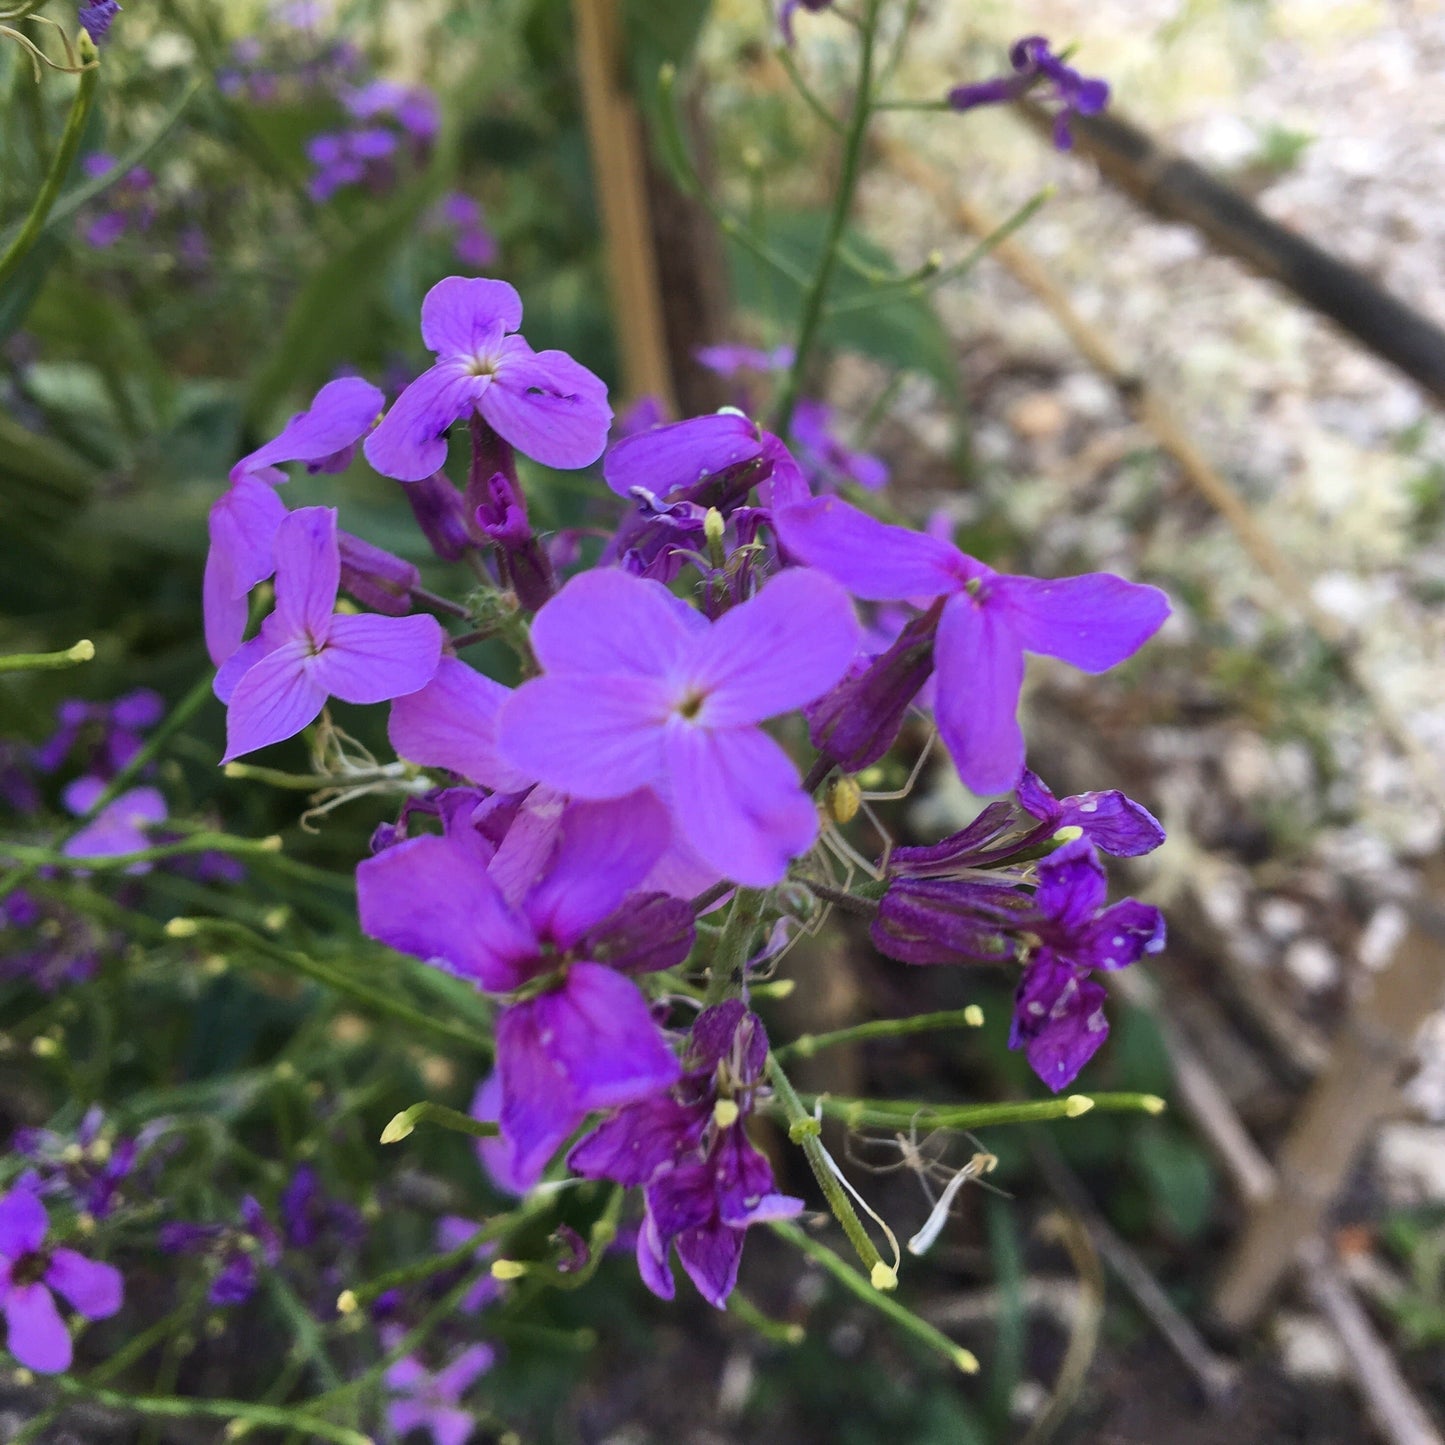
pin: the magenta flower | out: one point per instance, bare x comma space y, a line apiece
641, 691
243, 522
988, 622
425, 1401
278, 682
36, 1334
545, 404
551, 912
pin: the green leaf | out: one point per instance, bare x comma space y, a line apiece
904, 333
1179, 1177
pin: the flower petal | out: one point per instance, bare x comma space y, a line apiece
980, 671
410, 442
550, 407
241, 661
1058, 1020
871, 559
452, 723
371, 659
592, 737
35, 1333
681, 454
1122, 935
339, 417
780, 650
1072, 885
432, 899
94, 1290
736, 798
461, 313
1092, 622
242, 528
23, 1223
273, 701
308, 572
608, 621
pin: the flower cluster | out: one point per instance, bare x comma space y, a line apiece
643, 769
392, 129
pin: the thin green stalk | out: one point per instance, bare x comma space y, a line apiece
891, 1113
118, 862
60, 163
805, 1046
82, 651
730, 956
851, 1280
404, 1123
817, 293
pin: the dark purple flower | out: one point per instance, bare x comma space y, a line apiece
425, 1401
89, 1167
110, 732
1033, 61
378, 579
1110, 821
951, 920
239, 1250
47, 943
277, 683
128, 200
640, 691
441, 513
524, 916
452, 1232
96, 17
521, 560
989, 621
36, 1335
460, 216
546, 405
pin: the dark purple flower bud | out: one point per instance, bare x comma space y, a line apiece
950, 920
859, 720
651, 931
522, 559
376, 578
975, 846
442, 514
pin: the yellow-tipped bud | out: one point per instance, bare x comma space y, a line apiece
1152, 1104
347, 1302
273, 920
725, 1113
795, 1335
775, 988
234, 770
973, 1016
182, 928
83, 651
271, 844
505, 1269
44, 1047
845, 797
966, 1361
1077, 1104
398, 1129
713, 526
23, 1377
883, 1277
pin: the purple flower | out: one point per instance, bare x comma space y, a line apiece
1033, 60
1058, 1010
989, 620
120, 827
729, 360
1110, 821
89, 1167
29, 1272
111, 732
545, 404
461, 217
425, 1401
96, 17
825, 459
542, 912
240, 1250
129, 198
278, 682
640, 691
243, 522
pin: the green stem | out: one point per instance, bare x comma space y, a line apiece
817, 293
405, 1122
60, 164
850, 1279
807, 1045
730, 957
891, 1113
83, 651
118, 862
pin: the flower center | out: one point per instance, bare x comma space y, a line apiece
690, 704
29, 1268
482, 365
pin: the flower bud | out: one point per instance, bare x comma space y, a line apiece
378, 579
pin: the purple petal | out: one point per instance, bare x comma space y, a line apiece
681, 454
652, 1265
93, 1290
450, 1425
1072, 885
371, 659
242, 660
454, 1381
339, 417
23, 1224
980, 671
604, 851
711, 1255
461, 314
410, 442
120, 827
549, 407
778, 651
650, 932
985, 92
308, 573
1058, 1020
736, 798
1092, 622
274, 700
432, 899
632, 1146
592, 737
242, 527
36, 1335
405, 1416
871, 559
1122, 935
498, 1154
452, 723
539, 1105
607, 621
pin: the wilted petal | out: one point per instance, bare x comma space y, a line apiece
462, 314
94, 1290
649, 932
780, 650
549, 407
1058, 1020
1092, 622
636, 1142
273, 701
980, 672
870, 558
736, 798
370, 659
410, 442
711, 1255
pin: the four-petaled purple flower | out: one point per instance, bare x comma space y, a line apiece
29, 1272
1032, 61
988, 621
1059, 1010
548, 406
239, 1249
119, 828
547, 914
640, 691
422, 1400
278, 682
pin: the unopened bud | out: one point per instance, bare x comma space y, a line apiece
1152, 1104
966, 1361
347, 1302
1077, 1104
505, 1269
398, 1129
44, 1047
844, 797
973, 1016
182, 928
883, 1277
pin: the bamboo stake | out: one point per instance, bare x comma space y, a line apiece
619, 168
